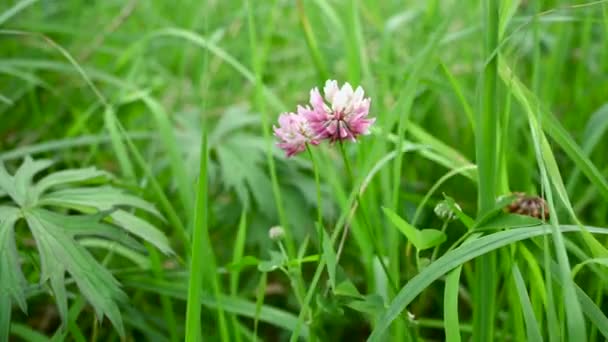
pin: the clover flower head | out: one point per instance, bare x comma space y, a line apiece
341, 115
294, 132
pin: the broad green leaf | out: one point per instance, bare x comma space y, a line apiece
455, 258
421, 239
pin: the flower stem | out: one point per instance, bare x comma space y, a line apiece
349, 170
365, 223
315, 168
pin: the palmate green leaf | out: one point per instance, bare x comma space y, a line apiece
59, 253
61, 238
458, 257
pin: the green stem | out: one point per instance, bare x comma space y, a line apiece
436, 250
365, 224
315, 168
349, 170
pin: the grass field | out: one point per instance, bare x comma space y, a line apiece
143, 196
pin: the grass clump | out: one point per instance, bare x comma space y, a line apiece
141, 175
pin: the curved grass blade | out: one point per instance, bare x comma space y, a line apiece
455, 258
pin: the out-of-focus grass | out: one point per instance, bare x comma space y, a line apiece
473, 100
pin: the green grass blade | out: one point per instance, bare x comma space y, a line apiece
165, 301
18, 7
532, 327
450, 305
200, 229
165, 128
120, 149
311, 43
457, 257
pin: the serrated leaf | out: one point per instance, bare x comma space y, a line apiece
60, 238
78, 226
137, 258
100, 198
7, 184
68, 177
60, 253
24, 176
12, 281
142, 229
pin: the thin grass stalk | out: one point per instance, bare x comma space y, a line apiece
486, 143
195, 283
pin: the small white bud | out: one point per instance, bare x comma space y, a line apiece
276, 233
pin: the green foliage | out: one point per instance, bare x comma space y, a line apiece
61, 209
473, 100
